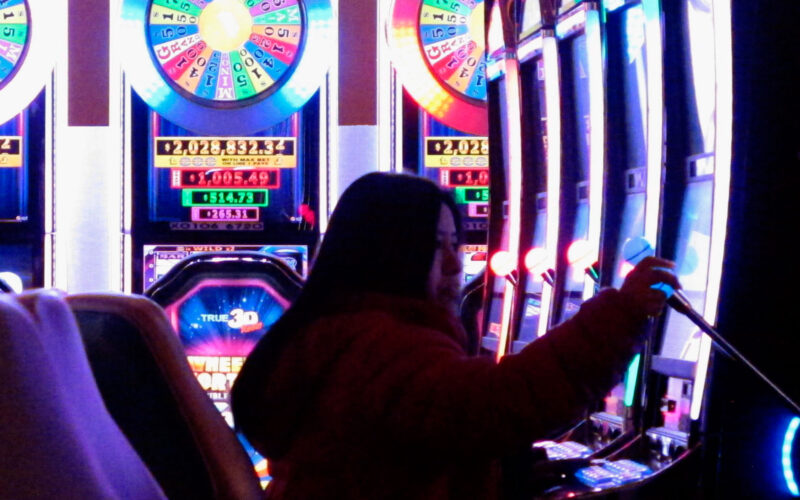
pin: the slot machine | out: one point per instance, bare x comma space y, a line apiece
223, 130
664, 457
27, 30
220, 304
439, 54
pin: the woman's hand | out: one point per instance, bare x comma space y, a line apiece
638, 289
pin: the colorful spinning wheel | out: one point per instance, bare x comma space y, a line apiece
26, 55
227, 66
439, 50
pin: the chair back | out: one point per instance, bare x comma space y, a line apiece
56, 436
148, 387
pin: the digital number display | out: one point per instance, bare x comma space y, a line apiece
10, 151
210, 152
226, 198
472, 195
464, 177
226, 178
456, 152
200, 214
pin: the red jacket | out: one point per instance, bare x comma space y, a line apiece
384, 403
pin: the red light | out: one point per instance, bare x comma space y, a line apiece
501, 263
578, 250
536, 262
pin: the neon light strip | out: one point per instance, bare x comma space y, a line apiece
127, 191
116, 158
553, 124
384, 91
594, 47
324, 160
786, 456
513, 146
655, 117
722, 180
630, 380
332, 188
49, 189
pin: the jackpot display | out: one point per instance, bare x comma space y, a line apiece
224, 125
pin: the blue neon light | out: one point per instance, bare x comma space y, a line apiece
786, 456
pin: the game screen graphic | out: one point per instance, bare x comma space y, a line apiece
226, 183
219, 322
159, 259
13, 171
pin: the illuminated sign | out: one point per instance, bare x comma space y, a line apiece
472, 195
226, 178
215, 152
224, 198
10, 151
449, 177
200, 214
456, 152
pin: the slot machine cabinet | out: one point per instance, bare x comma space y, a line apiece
578, 31
756, 433
633, 180
438, 52
541, 154
27, 30
223, 126
220, 305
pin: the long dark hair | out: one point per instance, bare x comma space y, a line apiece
381, 238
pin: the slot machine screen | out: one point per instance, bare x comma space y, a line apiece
16, 259
681, 339
159, 259
576, 142
234, 183
13, 172
497, 283
531, 17
219, 321
634, 111
535, 253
